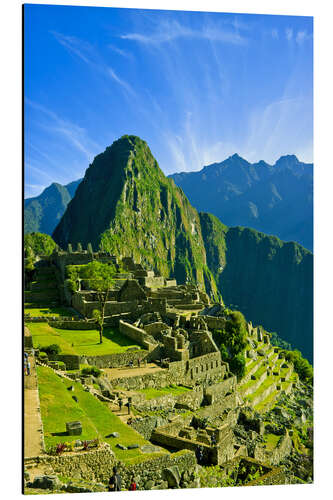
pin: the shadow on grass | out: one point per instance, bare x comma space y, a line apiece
59, 433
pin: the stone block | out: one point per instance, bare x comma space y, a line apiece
74, 428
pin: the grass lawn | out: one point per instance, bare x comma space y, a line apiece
151, 393
80, 342
58, 407
49, 311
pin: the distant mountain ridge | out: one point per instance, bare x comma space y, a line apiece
276, 199
42, 213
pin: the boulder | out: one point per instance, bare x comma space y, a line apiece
172, 475
46, 482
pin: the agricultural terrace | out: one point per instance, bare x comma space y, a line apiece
58, 407
80, 342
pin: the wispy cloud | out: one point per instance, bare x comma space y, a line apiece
74, 134
275, 34
167, 31
90, 56
121, 52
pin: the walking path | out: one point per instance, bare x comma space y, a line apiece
33, 433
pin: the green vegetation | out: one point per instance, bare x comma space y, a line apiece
58, 407
232, 342
271, 441
49, 311
38, 244
80, 342
91, 370
173, 390
101, 280
301, 365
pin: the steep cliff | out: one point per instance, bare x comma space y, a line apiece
269, 280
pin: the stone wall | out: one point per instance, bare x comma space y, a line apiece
114, 360
279, 453
73, 325
137, 334
214, 323
217, 392
146, 425
205, 368
71, 361
97, 466
229, 402
189, 400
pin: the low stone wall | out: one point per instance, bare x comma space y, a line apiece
154, 471
73, 325
92, 465
97, 466
229, 402
214, 322
137, 334
279, 453
114, 360
217, 392
189, 400
205, 368
146, 425
71, 361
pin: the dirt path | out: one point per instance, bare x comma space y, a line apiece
132, 372
33, 436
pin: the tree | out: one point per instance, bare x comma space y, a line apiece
101, 280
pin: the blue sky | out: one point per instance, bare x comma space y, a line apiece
198, 87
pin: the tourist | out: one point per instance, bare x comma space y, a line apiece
129, 404
199, 454
131, 364
114, 481
120, 402
213, 440
133, 485
25, 366
139, 362
28, 367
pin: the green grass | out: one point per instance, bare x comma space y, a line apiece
49, 311
80, 342
151, 393
271, 441
268, 381
58, 407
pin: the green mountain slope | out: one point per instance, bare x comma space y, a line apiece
269, 280
126, 205
42, 213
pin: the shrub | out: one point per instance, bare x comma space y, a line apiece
301, 365
43, 356
237, 365
91, 370
52, 349
61, 365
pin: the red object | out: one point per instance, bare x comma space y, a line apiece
132, 487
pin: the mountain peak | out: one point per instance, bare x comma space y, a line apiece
288, 160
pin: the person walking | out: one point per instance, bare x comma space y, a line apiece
28, 367
115, 481
133, 485
120, 402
